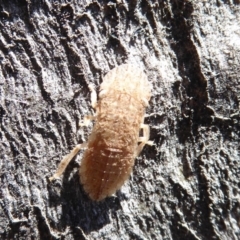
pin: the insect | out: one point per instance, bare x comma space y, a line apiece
114, 142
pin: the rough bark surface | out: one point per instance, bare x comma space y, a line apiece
187, 185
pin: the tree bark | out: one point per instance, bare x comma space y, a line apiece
184, 187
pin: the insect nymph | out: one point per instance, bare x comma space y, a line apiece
114, 142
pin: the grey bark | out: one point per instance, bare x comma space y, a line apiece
187, 185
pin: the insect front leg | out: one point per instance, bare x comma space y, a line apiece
144, 139
87, 119
93, 96
66, 160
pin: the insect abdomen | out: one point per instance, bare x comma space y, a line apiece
103, 171
107, 163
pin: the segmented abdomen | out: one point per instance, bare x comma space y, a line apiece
108, 160
104, 170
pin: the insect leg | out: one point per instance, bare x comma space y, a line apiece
66, 160
93, 96
144, 139
86, 120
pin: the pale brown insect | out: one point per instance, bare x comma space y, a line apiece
114, 142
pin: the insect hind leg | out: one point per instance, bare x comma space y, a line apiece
66, 160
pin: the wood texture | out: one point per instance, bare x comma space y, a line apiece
187, 187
